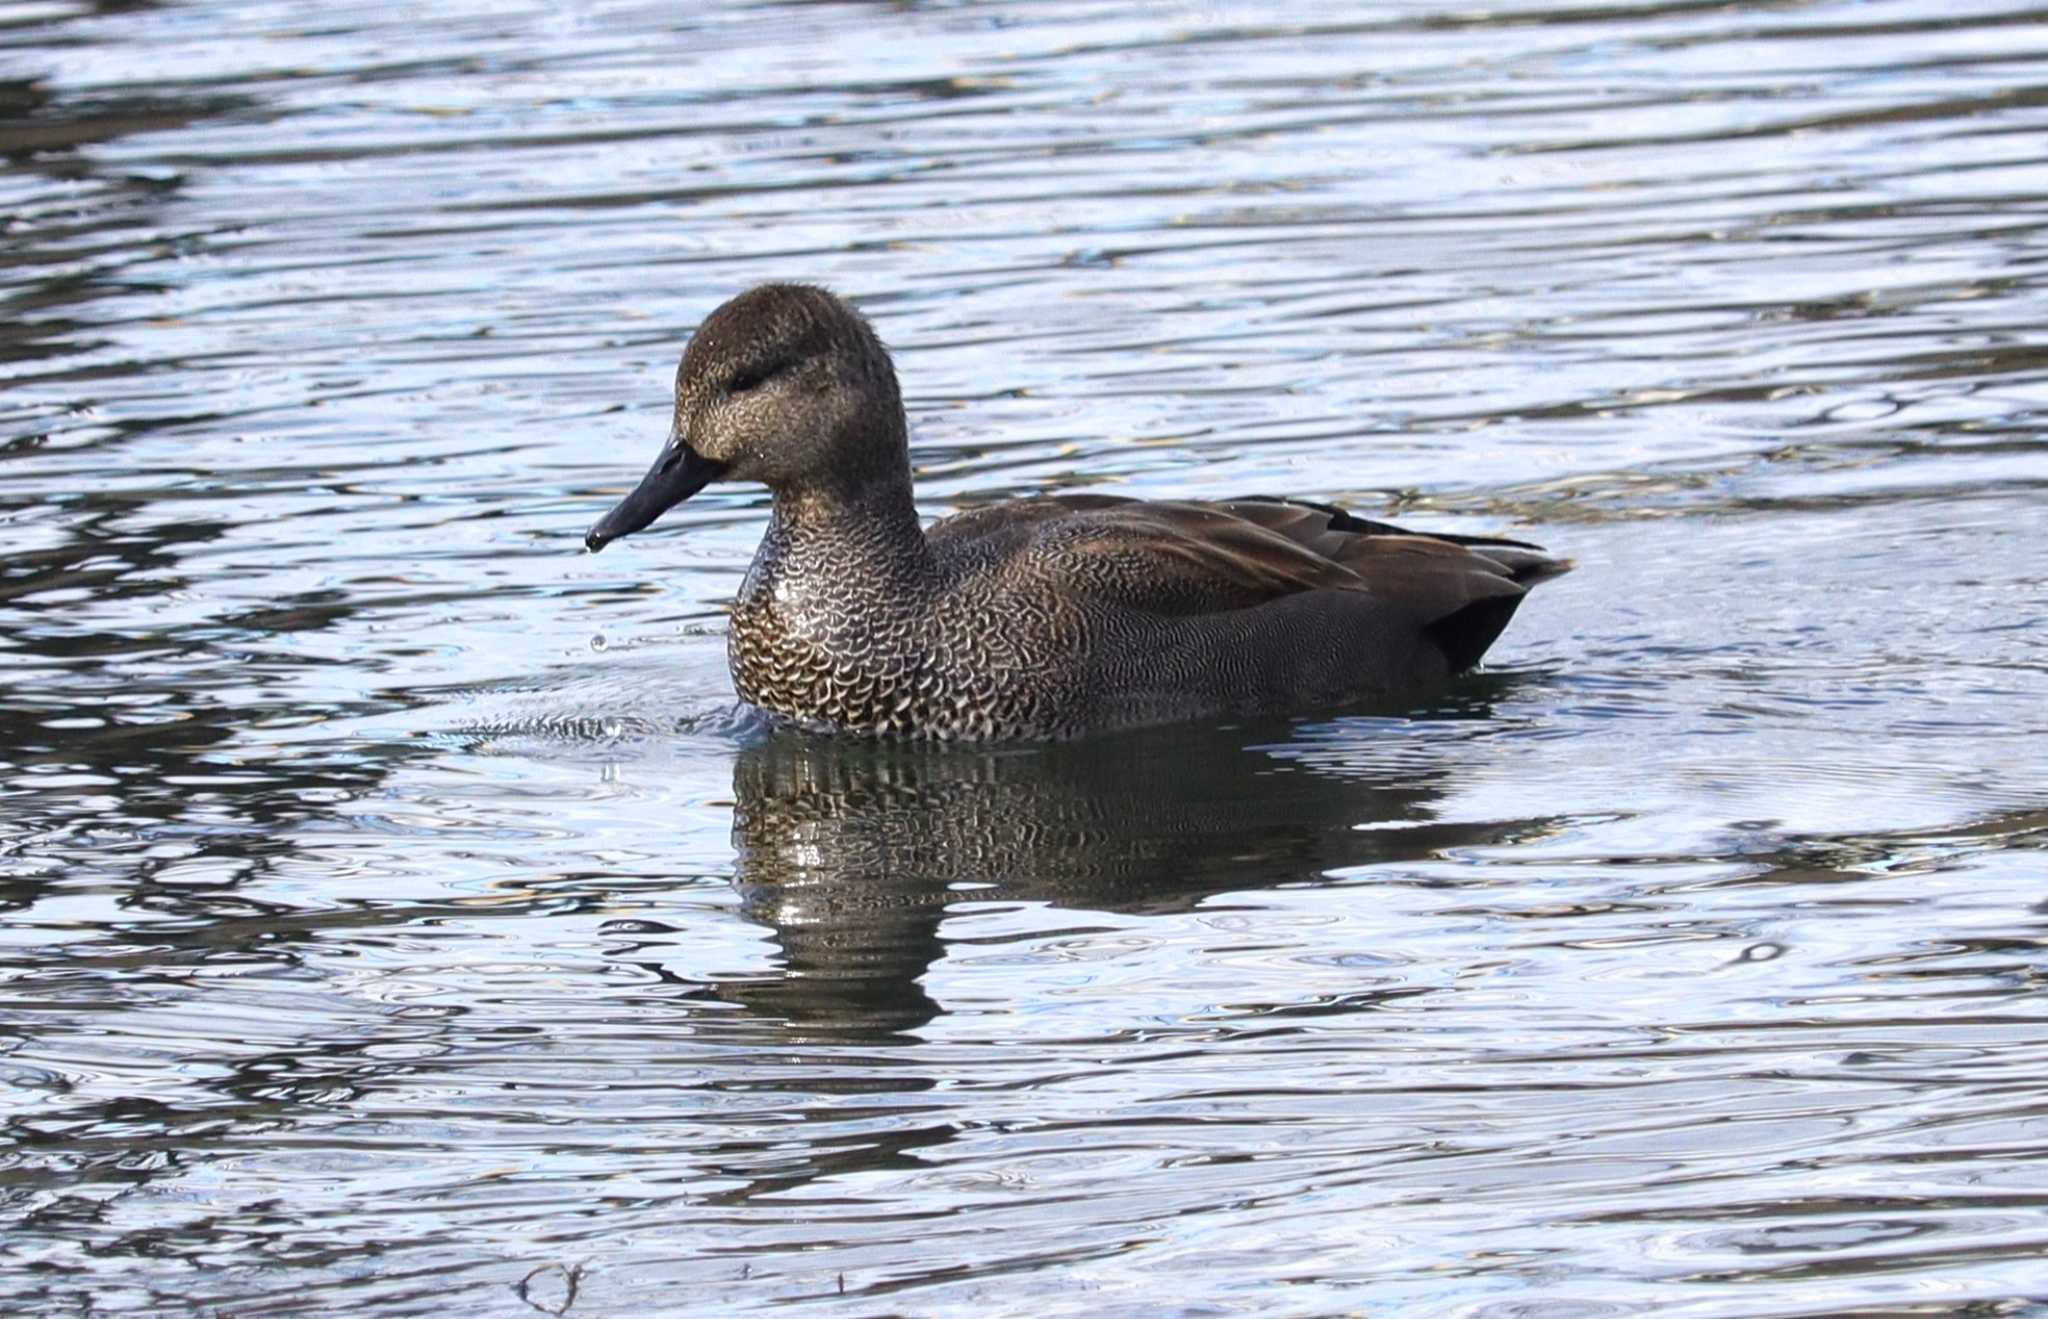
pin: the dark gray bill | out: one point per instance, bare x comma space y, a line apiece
676, 475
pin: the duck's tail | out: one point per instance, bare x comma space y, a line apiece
1489, 601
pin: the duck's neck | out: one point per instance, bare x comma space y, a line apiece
836, 549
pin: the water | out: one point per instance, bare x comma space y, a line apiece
402, 917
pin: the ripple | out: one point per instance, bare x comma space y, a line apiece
402, 913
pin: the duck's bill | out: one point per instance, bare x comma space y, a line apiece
679, 473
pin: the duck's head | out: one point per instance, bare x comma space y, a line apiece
785, 385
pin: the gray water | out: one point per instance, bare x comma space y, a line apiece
401, 916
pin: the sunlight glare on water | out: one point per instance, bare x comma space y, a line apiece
402, 915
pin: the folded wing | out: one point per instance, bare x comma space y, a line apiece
1189, 557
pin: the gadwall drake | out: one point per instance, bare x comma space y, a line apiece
1039, 618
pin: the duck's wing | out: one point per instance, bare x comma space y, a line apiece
1461, 589
1176, 557
1194, 557
1169, 558
1346, 537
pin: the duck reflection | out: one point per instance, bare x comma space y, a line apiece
851, 851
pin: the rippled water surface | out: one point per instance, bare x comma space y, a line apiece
401, 915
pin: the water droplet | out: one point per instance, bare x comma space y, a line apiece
598, 642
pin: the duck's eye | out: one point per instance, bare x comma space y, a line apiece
753, 377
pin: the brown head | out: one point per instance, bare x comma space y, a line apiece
785, 385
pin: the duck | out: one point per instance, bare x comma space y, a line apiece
1051, 617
